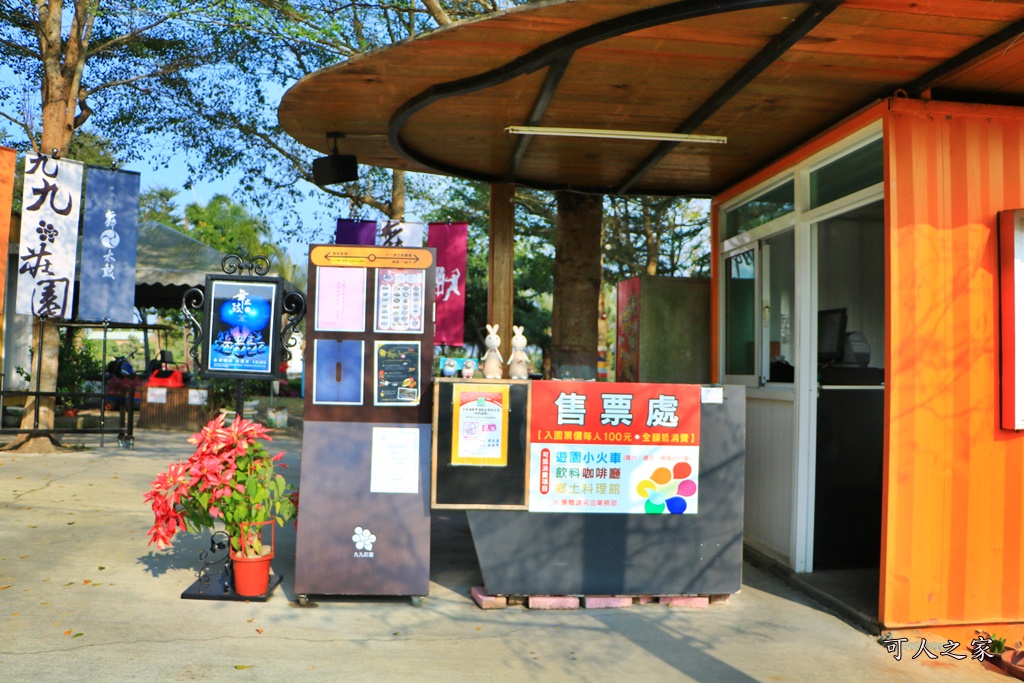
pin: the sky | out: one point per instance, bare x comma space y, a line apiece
176, 175
314, 215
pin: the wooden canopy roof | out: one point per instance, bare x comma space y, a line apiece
765, 74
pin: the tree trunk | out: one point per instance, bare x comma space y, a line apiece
652, 238
577, 286
58, 125
397, 195
46, 376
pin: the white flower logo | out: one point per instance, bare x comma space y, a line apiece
363, 539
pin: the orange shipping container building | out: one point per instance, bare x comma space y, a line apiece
951, 515
954, 515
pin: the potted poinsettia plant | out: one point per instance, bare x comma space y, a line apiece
230, 480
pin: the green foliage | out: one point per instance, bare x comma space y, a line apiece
78, 362
223, 391
229, 227
201, 81
657, 236
534, 258
157, 204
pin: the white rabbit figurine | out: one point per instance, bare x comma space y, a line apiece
518, 361
468, 368
492, 359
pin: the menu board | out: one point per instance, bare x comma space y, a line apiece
400, 300
397, 373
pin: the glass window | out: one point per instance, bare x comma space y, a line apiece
851, 277
741, 314
760, 210
859, 169
780, 258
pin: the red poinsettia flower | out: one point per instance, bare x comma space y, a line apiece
230, 479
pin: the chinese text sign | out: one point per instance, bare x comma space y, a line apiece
614, 447
49, 236
480, 425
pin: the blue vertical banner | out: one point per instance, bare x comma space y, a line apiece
109, 244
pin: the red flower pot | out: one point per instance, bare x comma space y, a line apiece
250, 576
1013, 662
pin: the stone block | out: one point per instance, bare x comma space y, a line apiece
606, 601
553, 602
691, 601
486, 601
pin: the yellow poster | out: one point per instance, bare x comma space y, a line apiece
480, 425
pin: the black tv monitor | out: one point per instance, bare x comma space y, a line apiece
831, 334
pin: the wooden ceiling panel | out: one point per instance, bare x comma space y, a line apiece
938, 10
1000, 72
654, 78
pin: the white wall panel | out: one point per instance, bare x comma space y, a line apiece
770, 455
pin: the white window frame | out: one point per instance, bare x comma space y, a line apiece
803, 221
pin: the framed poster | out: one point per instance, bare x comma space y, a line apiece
242, 331
338, 372
396, 372
480, 425
400, 300
478, 474
340, 299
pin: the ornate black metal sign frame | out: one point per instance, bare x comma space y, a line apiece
242, 330
243, 334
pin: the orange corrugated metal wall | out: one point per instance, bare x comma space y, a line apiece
952, 548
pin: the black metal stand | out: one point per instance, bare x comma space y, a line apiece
214, 578
293, 306
218, 588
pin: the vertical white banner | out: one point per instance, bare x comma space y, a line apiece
49, 236
396, 234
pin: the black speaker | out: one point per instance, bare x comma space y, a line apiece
337, 168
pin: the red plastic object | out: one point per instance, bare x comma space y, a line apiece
166, 378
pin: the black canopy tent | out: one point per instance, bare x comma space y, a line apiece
168, 264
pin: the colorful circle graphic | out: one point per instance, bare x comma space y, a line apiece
667, 490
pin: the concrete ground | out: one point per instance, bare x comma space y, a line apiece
82, 598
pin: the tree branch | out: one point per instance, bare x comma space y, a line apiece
21, 49
437, 12
23, 125
167, 70
110, 43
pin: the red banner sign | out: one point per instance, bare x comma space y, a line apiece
615, 412
450, 240
614, 447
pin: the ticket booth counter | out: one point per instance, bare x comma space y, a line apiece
584, 488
